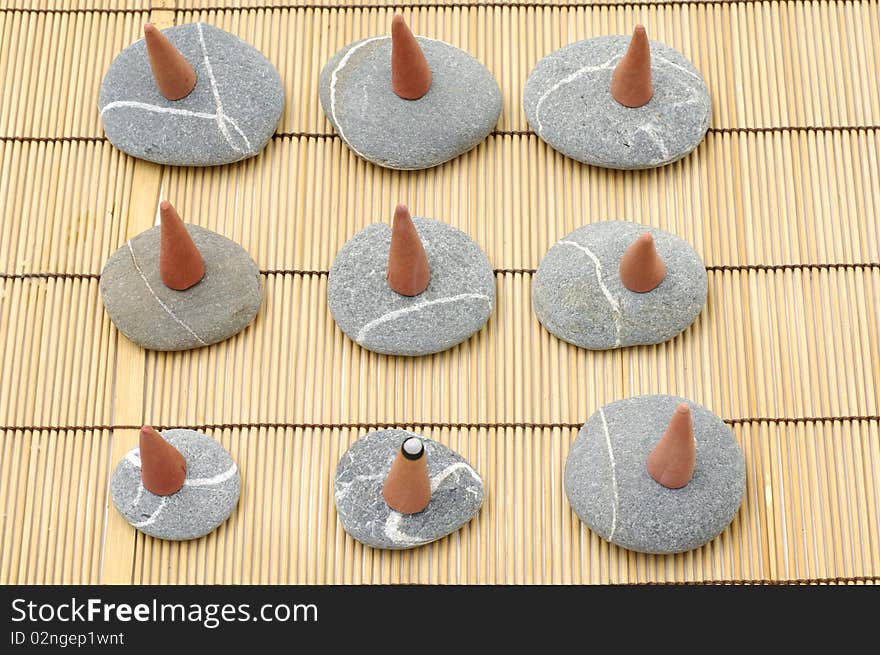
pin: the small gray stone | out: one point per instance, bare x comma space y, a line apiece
207, 498
578, 296
230, 114
609, 487
568, 103
456, 304
459, 110
156, 317
456, 493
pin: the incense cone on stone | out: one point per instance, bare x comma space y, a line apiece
408, 270
410, 75
631, 83
641, 268
180, 262
672, 461
163, 468
407, 488
174, 76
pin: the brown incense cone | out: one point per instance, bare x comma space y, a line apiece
410, 75
671, 463
174, 77
631, 81
163, 468
408, 270
180, 263
641, 268
407, 488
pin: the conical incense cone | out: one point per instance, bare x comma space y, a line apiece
672, 461
408, 270
174, 76
641, 268
163, 468
180, 263
410, 75
407, 488
631, 81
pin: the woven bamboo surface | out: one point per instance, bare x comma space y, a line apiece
782, 200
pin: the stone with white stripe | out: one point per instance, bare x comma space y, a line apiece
577, 293
207, 498
568, 102
156, 317
608, 485
460, 109
230, 114
456, 304
456, 493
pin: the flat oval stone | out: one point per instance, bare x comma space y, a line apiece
230, 114
156, 317
206, 500
456, 304
456, 493
459, 110
568, 102
609, 487
578, 296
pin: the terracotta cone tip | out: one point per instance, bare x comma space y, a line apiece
672, 461
408, 488
410, 74
631, 83
180, 262
174, 76
641, 268
408, 270
163, 468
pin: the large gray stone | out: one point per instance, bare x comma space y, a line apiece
206, 500
459, 110
230, 114
456, 496
609, 487
156, 317
568, 102
578, 296
456, 304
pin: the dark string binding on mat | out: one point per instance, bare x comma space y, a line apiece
375, 425
495, 133
757, 582
497, 271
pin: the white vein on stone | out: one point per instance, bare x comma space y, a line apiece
344, 487
612, 301
154, 516
220, 117
159, 300
392, 523
214, 479
656, 57
613, 475
133, 458
139, 495
567, 80
397, 313
334, 78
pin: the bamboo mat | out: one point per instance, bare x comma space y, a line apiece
782, 200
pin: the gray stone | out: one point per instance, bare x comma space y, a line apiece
456, 304
457, 493
459, 110
578, 296
156, 317
568, 103
609, 488
207, 498
230, 114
